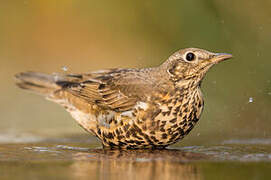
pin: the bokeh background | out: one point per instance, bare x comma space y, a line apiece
89, 35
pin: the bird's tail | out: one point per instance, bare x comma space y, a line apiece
40, 83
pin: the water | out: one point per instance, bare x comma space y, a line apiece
47, 159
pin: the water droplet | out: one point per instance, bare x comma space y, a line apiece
250, 100
64, 68
198, 134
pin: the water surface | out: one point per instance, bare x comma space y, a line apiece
232, 159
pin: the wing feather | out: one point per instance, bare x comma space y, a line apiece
99, 90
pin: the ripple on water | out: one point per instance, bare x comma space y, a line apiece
234, 151
230, 150
65, 147
248, 141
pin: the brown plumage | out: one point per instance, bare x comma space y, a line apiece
132, 108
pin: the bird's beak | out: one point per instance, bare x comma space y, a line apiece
218, 57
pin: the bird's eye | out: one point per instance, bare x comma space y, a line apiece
190, 56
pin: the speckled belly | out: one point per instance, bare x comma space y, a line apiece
148, 124
155, 126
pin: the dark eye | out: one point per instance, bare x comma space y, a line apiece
190, 56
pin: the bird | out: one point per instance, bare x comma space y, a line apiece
132, 108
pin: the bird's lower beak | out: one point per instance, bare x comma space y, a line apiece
218, 57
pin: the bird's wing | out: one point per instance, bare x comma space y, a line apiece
115, 89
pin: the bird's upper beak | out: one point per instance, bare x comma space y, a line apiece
218, 57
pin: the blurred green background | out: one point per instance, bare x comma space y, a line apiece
90, 35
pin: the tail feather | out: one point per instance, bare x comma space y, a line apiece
40, 83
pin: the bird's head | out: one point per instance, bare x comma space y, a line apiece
192, 64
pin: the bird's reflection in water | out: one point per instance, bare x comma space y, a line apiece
136, 164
